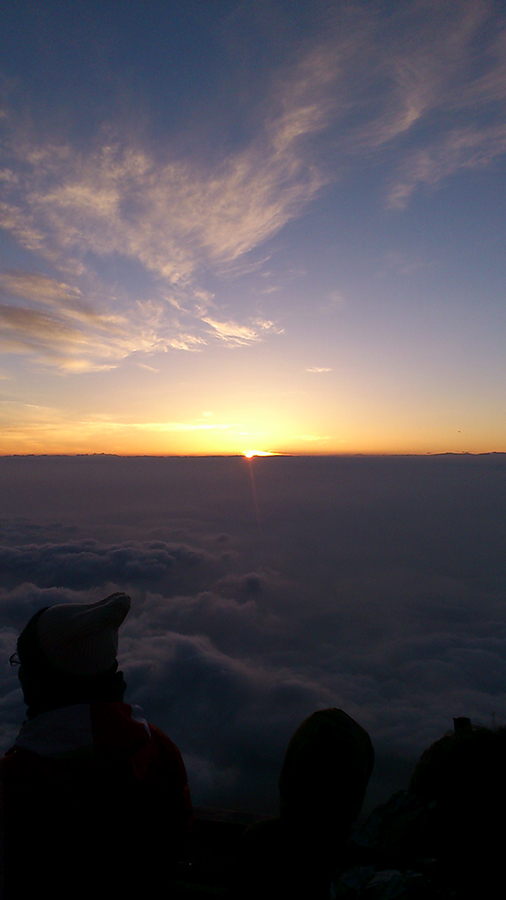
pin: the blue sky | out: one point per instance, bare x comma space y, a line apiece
275, 225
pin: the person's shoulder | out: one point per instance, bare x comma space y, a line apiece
168, 754
173, 771
163, 742
15, 757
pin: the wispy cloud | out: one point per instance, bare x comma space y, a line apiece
171, 215
426, 88
463, 148
42, 289
77, 208
313, 438
53, 339
49, 321
318, 370
418, 62
405, 89
238, 335
443, 106
148, 368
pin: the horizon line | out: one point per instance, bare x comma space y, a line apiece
272, 455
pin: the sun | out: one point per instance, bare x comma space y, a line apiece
250, 453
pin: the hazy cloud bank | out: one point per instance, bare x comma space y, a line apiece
373, 585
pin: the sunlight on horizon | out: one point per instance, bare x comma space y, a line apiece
249, 454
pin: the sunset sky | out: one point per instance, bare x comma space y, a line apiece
231, 225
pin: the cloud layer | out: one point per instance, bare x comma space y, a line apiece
372, 585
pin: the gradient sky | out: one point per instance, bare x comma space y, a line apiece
276, 225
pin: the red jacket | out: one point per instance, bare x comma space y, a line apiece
95, 802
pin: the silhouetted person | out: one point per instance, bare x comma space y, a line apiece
95, 801
463, 777
322, 785
444, 836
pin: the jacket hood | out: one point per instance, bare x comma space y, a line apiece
327, 766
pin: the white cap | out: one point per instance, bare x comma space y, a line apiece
82, 639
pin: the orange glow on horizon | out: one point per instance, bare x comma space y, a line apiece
33, 429
249, 454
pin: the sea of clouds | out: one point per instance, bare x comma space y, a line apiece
264, 589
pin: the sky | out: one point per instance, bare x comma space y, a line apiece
231, 225
264, 589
